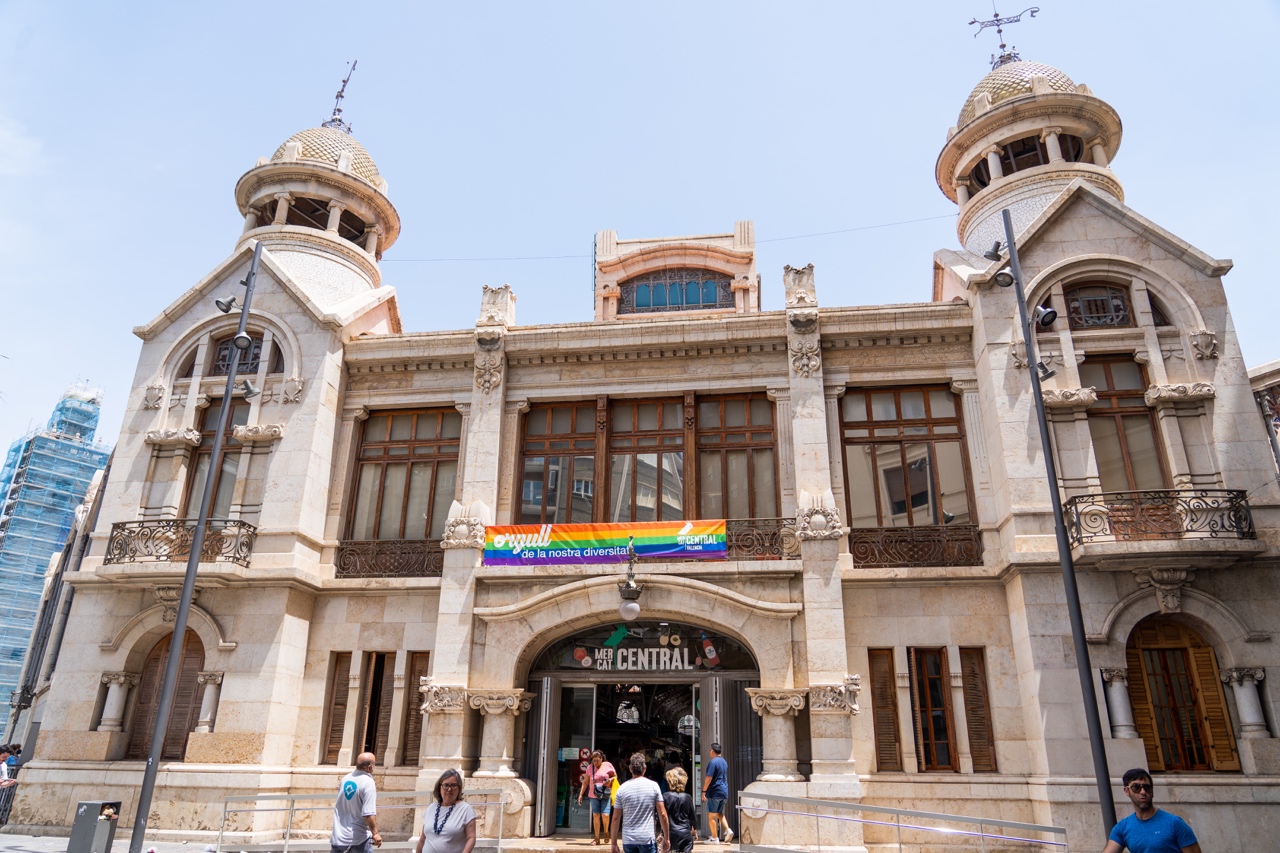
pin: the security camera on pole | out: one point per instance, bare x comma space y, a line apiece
240, 344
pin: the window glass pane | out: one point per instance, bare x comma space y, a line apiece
585, 421
642, 296
584, 487
536, 423
531, 490
893, 486
1126, 375
737, 485
861, 486
1106, 450
1144, 459
561, 420
942, 404
621, 467
920, 484
761, 412
647, 416
446, 489
672, 486
557, 496
401, 427
673, 416
709, 297
659, 296
451, 426
646, 508
226, 485
765, 489
1093, 375
954, 498
366, 501
675, 294
196, 493
855, 407
393, 480
622, 417
428, 425
711, 498
912, 405
375, 429
709, 416
883, 407
415, 514
692, 293
735, 413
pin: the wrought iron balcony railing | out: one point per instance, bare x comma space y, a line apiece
1163, 514
946, 545
168, 540
762, 539
389, 558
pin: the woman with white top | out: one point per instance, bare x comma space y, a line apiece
450, 824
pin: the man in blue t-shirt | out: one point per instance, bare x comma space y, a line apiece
715, 791
1149, 830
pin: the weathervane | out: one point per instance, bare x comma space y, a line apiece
336, 119
1005, 55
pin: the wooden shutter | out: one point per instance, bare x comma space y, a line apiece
337, 707
386, 695
1143, 717
977, 711
1213, 707
884, 710
186, 699
144, 714
417, 670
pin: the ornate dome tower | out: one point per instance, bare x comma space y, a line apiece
320, 194
1024, 134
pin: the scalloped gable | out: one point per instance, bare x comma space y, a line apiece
343, 314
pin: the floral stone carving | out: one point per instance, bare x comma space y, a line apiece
494, 702
173, 437
805, 358
463, 532
153, 396
441, 698
170, 597
1184, 392
777, 702
1168, 584
819, 522
488, 372
836, 698
1069, 398
257, 433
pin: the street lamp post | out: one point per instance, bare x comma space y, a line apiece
240, 344
1085, 669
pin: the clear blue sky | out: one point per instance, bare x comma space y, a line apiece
519, 129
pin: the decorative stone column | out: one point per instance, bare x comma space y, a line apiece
335, 216
831, 709
1244, 683
500, 709
443, 728
962, 191
1050, 138
371, 241
250, 219
1098, 146
994, 153
1118, 704
282, 208
118, 684
212, 683
778, 709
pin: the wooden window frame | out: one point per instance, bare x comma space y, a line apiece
634, 435
1109, 405
377, 700
419, 665
250, 359
883, 684
921, 713
335, 718
577, 445
711, 439
977, 709
1077, 322
208, 430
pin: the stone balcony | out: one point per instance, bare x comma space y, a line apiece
169, 540
1165, 528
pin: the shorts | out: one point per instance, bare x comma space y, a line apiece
365, 846
647, 847
601, 805
715, 805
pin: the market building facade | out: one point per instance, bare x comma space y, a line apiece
887, 625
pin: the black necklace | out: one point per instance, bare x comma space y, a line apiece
439, 825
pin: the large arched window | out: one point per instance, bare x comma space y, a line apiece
1098, 305
250, 359
1026, 153
186, 699
1178, 703
676, 289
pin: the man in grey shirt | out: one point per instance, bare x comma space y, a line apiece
355, 820
639, 799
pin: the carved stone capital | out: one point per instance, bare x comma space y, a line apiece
258, 433
1110, 674
495, 702
1168, 585
463, 532
169, 597
488, 371
805, 357
818, 522
777, 702
1045, 133
177, 437
1069, 398
1205, 344
836, 698
1183, 392
1241, 674
800, 289
154, 395
124, 679
741, 284
208, 678
964, 386
441, 698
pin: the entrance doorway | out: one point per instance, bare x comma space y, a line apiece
665, 689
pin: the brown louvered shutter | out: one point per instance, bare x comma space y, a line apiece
186, 699
884, 710
337, 707
144, 714
977, 711
1143, 716
1213, 707
386, 695
417, 670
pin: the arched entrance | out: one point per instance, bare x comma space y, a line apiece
667, 689
186, 698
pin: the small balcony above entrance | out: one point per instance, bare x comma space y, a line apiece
389, 558
168, 540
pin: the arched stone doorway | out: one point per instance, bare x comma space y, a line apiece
186, 698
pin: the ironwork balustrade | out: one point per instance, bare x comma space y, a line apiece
389, 558
944, 545
1162, 514
168, 540
762, 539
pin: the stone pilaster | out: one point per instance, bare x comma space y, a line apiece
1118, 705
1244, 683
118, 684
210, 689
444, 728
499, 709
778, 710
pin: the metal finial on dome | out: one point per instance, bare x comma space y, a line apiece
335, 120
1007, 54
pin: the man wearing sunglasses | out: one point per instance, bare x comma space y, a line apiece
1148, 829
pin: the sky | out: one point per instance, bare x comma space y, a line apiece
511, 132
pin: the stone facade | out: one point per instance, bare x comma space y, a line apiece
846, 600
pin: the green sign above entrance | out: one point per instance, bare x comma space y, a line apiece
647, 647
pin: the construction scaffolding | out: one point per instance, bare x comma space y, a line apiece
45, 476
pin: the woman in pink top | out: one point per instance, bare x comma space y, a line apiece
598, 785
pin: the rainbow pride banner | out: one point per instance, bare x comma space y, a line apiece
560, 544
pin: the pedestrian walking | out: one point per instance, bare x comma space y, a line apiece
449, 826
355, 812
680, 813
598, 784
1149, 829
638, 800
715, 792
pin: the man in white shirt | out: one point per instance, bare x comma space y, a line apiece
355, 812
638, 800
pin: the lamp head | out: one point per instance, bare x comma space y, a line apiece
249, 391
1045, 371
1045, 316
242, 341
226, 306
1004, 278
993, 254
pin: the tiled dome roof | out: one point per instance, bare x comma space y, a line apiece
326, 144
1012, 80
